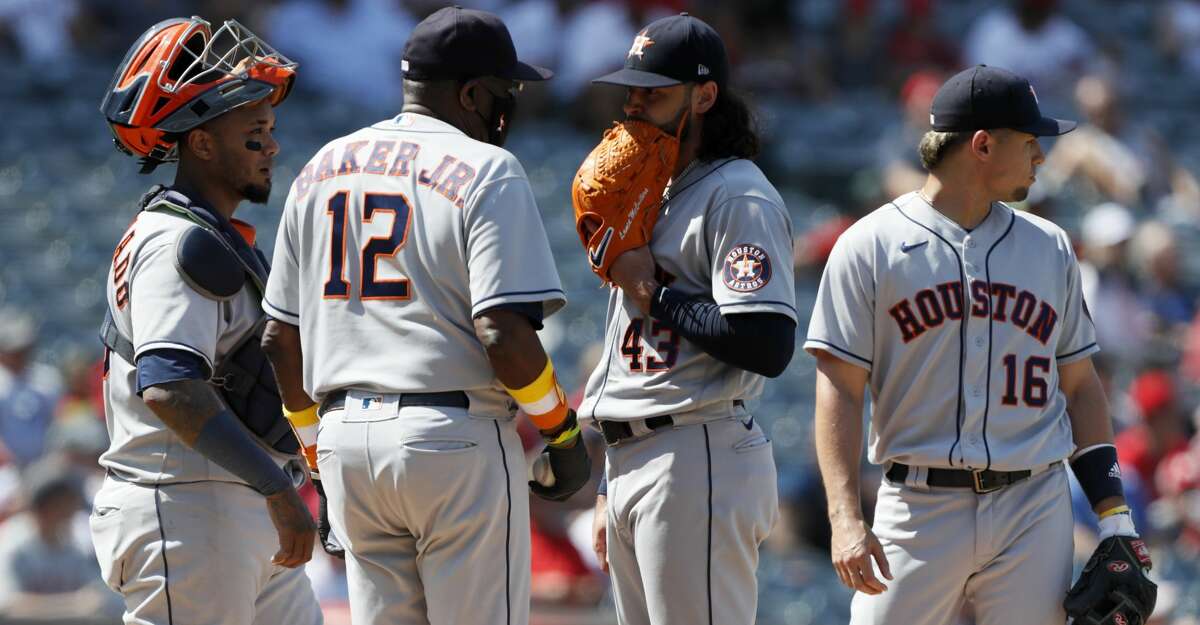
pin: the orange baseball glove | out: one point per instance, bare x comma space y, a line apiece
618, 190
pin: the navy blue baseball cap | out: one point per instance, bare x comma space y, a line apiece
671, 51
982, 97
458, 44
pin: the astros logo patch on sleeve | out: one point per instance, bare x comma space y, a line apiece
747, 268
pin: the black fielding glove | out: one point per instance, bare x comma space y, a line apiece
1113, 588
329, 541
569, 464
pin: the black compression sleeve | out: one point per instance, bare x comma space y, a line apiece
760, 343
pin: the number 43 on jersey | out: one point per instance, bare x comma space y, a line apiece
370, 287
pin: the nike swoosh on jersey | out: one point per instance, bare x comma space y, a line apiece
908, 247
596, 256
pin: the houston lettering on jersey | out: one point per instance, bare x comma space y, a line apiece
930, 308
386, 158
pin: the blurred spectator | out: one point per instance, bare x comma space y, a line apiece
899, 161
1163, 289
28, 391
1178, 482
349, 49
1160, 430
83, 394
1122, 324
857, 46
40, 554
41, 30
531, 24
1116, 160
1179, 34
915, 45
812, 248
1031, 38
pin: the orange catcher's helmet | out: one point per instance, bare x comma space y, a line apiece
180, 74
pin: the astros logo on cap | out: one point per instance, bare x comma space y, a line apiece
747, 268
639, 44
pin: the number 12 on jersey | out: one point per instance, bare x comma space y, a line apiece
370, 288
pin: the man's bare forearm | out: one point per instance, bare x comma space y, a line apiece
281, 342
513, 347
1088, 410
838, 422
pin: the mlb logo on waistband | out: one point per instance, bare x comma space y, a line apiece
372, 403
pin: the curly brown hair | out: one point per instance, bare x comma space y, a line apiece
729, 129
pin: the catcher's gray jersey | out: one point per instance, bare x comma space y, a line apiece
153, 306
962, 333
723, 232
392, 239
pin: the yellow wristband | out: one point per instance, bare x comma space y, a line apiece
1112, 511
537, 389
543, 400
564, 437
302, 418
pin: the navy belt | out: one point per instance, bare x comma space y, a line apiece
984, 481
617, 431
446, 399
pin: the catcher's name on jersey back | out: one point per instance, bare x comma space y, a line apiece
156, 309
392, 239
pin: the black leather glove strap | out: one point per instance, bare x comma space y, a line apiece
1113, 588
571, 467
329, 541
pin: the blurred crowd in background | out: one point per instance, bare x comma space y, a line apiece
842, 88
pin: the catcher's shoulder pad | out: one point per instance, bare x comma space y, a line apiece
207, 264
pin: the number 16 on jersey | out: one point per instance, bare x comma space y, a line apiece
375, 249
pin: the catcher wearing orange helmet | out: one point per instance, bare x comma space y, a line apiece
198, 520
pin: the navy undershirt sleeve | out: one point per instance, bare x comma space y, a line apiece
532, 310
160, 366
760, 342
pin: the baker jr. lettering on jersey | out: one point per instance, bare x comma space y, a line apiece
747, 268
448, 178
932, 307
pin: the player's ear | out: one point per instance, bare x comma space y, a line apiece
982, 143
466, 95
201, 142
704, 96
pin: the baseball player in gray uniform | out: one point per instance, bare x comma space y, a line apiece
966, 321
411, 273
700, 316
198, 520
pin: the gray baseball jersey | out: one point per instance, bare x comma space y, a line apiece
723, 232
166, 513
962, 333
156, 309
392, 239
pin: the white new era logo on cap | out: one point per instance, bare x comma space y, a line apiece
404, 65
702, 70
